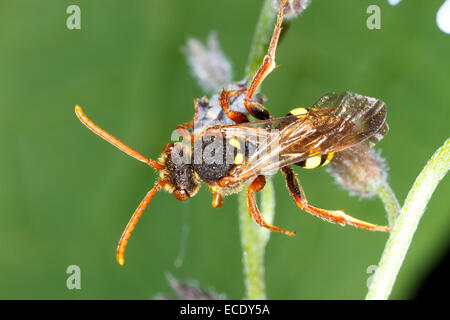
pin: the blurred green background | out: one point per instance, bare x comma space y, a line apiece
66, 195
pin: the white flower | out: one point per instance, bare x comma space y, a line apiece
442, 16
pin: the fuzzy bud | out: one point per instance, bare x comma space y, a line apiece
293, 7
361, 173
188, 291
208, 64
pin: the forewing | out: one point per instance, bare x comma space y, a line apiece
336, 122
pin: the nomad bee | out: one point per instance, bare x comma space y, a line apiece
228, 155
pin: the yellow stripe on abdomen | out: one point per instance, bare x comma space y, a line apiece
316, 161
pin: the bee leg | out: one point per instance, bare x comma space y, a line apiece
182, 128
256, 186
224, 102
268, 65
257, 110
233, 93
217, 200
337, 216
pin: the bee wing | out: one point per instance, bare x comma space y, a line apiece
339, 121
367, 113
336, 122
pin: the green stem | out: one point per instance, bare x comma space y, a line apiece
406, 223
390, 202
253, 237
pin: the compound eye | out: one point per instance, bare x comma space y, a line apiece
168, 148
181, 194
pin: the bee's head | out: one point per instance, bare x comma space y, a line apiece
178, 171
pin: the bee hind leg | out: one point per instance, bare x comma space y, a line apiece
256, 186
336, 216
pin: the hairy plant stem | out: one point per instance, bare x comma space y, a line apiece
253, 237
261, 38
391, 205
253, 241
406, 223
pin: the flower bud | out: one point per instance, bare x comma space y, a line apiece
188, 291
361, 173
208, 64
293, 7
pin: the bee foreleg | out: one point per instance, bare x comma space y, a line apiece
183, 132
217, 200
182, 128
256, 186
336, 216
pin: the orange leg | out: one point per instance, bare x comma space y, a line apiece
182, 128
224, 102
268, 65
117, 143
217, 200
227, 181
329, 215
256, 186
133, 221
